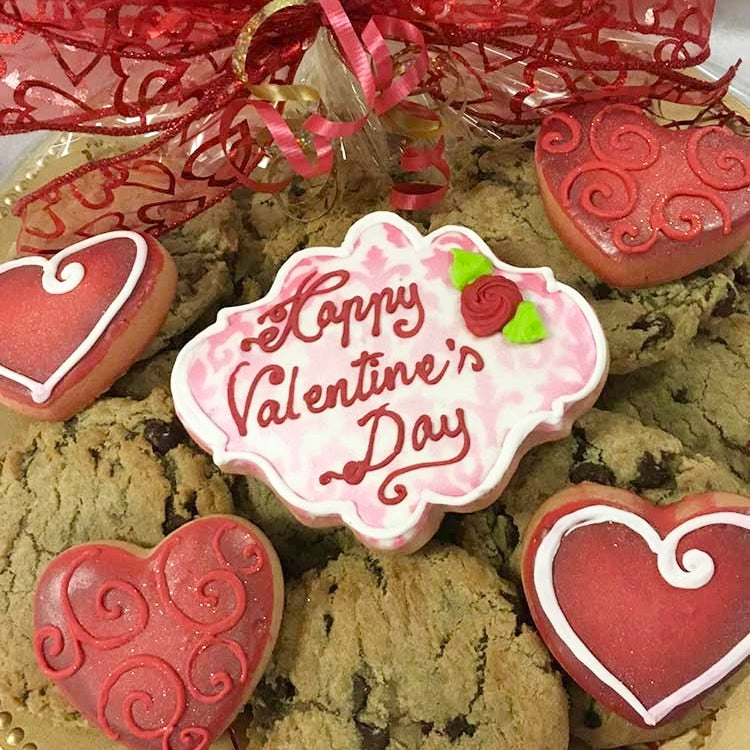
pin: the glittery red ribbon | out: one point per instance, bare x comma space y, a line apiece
163, 69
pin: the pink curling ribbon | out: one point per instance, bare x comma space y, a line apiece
209, 84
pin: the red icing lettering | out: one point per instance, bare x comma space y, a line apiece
369, 378
276, 375
355, 471
467, 353
423, 432
286, 316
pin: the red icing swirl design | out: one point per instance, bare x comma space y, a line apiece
170, 642
675, 198
630, 145
729, 168
488, 303
605, 198
555, 141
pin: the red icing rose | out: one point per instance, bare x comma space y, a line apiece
488, 303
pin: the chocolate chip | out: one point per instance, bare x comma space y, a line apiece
662, 325
459, 727
520, 610
591, 719
173, 520
373, 738
333, 588
579, 435
328, 622
588, 471
681, 395
285, 689
426, 727
448, 531
275, 696
480, 151
602, 291
742, 275
376, 569
360, 693
725, 307
653, 475
164, 436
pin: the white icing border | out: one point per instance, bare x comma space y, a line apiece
695, 570
72, 275
199, 424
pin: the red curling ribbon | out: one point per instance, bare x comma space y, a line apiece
163, 68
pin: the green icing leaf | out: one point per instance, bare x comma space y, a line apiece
526, 327
468, 267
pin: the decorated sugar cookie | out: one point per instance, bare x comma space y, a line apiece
646, 607
639, 203
161, 648
385, 382
74, 323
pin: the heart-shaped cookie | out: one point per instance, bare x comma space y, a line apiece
161, 648
73, 323
639, 203
646, 607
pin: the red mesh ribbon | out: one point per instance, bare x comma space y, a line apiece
164, 69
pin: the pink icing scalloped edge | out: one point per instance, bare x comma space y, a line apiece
587, 350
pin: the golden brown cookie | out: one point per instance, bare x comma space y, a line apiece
701, 398
299, 547
422, 653
600, 728
604, 447
122, 470
205, 251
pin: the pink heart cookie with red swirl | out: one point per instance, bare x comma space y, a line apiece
646, 607
393, 379
161, 648
642, 204
73, 323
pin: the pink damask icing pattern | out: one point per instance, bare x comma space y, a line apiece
356, 390
161, 652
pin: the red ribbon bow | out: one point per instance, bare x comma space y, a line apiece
165, 69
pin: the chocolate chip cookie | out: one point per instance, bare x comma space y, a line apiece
122, 470
299, 547
701, 397
206, 251
425, 652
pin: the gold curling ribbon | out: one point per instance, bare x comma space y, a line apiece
268, 92
401, 120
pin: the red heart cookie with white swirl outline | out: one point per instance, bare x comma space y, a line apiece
161, 648
642, 204
73, 323
646, 607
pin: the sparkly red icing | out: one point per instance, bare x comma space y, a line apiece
488, 303
679, 199
46, 321
161, 651
657, 595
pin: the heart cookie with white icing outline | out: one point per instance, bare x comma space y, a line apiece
642, 204
75, 322
646, 607
390, 380
161, 648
